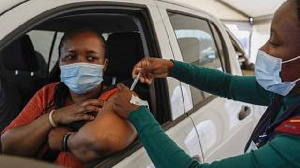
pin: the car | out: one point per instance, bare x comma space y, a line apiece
207, 127
9, 161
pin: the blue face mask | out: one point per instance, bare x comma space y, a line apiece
81, 77
267, 73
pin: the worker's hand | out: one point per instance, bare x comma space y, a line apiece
121, 102
85, 111
152, 68
55, 137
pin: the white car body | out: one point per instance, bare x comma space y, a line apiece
210, 130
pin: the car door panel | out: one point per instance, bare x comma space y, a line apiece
231, 132
182, 130
183, 133
223, 125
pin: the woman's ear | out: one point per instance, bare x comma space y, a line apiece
105, 65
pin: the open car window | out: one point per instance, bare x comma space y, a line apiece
128, 37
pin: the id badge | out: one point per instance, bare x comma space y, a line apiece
252, 146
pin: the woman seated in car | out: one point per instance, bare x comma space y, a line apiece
46, 128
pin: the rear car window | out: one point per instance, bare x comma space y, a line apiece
197, 44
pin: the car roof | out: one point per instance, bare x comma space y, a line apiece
8, 4
185, 5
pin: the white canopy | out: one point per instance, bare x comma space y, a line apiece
254, 8
236, 10
230, 11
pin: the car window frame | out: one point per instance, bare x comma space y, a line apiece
226, 67
225, 61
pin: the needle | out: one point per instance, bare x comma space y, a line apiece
135, 81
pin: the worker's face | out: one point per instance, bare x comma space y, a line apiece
284, 39
83, 47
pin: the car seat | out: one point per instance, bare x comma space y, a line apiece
19, 67
124, 50
10, 103
54, 75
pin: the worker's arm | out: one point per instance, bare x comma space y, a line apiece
241, 88
213, 81
283, 151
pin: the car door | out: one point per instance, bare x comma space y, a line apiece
223, 125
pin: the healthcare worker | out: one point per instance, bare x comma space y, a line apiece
275, 141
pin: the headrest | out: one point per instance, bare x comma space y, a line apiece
190, 48
20, 55
124, 51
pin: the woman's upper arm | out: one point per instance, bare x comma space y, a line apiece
109, 126
108, 133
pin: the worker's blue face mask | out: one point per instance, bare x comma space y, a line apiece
81, 77
267, 72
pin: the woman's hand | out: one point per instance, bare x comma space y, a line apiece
152, 68
55, 137
77, 112
121, 103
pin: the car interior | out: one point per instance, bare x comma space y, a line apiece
23, 66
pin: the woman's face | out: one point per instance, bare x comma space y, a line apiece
84, 47
284, 40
